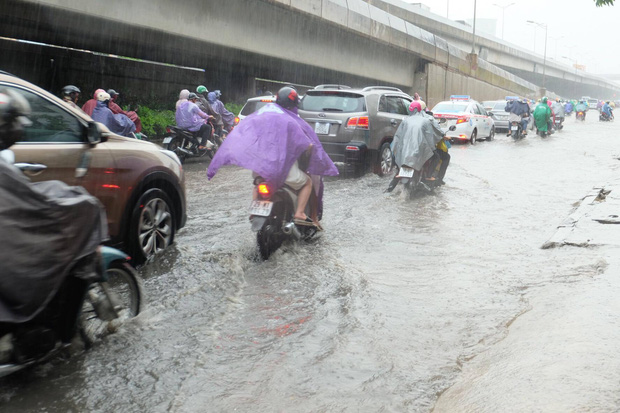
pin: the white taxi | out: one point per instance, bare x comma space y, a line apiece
471, 120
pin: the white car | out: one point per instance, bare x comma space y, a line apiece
252, 105
471, 120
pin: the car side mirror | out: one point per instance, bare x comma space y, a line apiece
93, 134
452, 128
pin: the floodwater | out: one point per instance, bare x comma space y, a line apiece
442, 303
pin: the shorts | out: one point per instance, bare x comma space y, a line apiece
296, 178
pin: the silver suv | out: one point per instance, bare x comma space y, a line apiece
356, 126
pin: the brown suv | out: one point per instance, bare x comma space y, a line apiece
356, 126
141, 185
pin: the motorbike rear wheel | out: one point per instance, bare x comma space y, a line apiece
109, 303
174, 146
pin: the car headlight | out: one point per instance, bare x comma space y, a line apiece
171, 155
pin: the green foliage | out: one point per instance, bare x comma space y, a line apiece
234, 107
154, 122
600, 3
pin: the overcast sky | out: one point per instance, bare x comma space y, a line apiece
575, 27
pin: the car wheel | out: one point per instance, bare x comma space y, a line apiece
474, 136
492, 134
152, 225
385, 163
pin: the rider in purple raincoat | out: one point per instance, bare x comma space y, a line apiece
269, 142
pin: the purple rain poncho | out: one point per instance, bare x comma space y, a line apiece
190, 117
119, 124
228, 118
269, 142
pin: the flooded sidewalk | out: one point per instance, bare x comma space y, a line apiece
561, 354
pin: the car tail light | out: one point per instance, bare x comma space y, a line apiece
361, 122
461, 120
352, 148
463, 137
236, 120
264, 190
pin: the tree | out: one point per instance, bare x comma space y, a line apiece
600, 3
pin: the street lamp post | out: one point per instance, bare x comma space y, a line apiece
473, 44
503, 15
544, 26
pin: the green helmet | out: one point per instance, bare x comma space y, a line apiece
201, 89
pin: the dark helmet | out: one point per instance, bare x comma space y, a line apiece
69, 90
14, 109
192, 96
112, 93
287, 97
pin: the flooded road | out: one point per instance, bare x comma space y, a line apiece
443, 303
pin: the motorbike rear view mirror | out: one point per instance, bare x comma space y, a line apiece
93, 134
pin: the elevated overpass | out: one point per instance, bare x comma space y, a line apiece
562, 79
234, 42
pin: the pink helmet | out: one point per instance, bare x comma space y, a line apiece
415, 107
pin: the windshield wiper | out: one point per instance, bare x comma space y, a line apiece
332, 110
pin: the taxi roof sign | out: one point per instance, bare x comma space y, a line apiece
460, 97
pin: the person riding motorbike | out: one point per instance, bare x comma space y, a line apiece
519, 111
542, 116
281, 148
415, 143
116, 109
183, 95
227, 116
606, 110
50, 238
568, 108
70, 95
558, 110
582, 106
191, 118
119, 123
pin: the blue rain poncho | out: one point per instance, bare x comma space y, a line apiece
119, 124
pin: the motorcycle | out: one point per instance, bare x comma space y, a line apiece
603, 117
184, 144
115, 297
420, 181
272, 217
558, 123
580, 115
516, 130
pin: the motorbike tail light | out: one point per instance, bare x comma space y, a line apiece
264, 190
168, 130
461, 120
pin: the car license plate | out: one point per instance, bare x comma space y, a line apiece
514, 128
261, 208
167, 140
405, 172
321, 128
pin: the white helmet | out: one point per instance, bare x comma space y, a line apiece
103, 96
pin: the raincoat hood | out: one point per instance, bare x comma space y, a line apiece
211, 98
269, 142
415, 141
